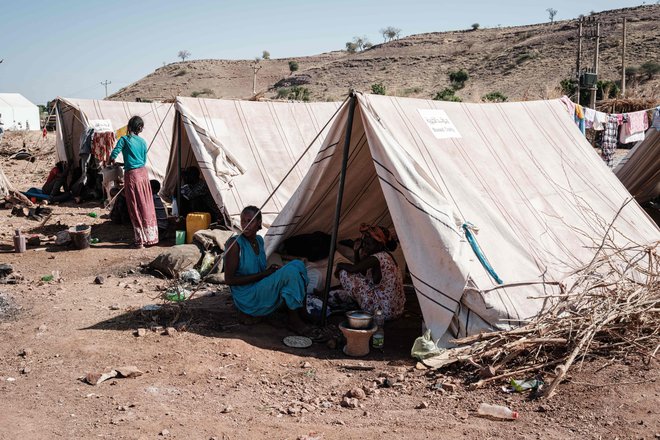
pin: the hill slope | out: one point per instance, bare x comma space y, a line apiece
523, 62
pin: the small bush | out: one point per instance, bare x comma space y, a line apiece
378, 89
283, 93
525, 57
265, 55
568, 86
295, 93
475, 26
411, 91
494, 97
447, 95
458, 79
181, 72
650, 69
607, 89
351, 47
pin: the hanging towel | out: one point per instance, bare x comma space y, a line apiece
656, 118
634, 127
570, 105
589, 117
600, 120
102, 145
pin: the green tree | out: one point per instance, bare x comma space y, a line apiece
265, 55
293, 66
351, 47
568, 86
378, 89
390, 33
551, 14
183, 54
475, 26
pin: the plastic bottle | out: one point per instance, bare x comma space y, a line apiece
501, 412
19, 242
175, 207
92, 214
378, 340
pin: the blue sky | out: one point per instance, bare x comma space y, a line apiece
67, 47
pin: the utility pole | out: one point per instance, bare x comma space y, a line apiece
579, 56
105, 83
255, 68
596, 56
623, 61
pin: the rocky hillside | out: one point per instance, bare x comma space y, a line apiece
523, 62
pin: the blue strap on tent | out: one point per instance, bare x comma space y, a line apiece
480, 255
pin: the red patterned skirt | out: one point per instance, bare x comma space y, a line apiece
141, 206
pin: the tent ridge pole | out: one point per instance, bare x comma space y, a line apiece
178, 160
340, 196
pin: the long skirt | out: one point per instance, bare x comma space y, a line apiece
141, 206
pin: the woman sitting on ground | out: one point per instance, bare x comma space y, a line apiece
374, 281
258, 290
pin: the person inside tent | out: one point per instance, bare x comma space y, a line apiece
161, 212
259, 290
196, 196
55, 182
373, 281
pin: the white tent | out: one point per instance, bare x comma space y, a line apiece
245, 148
522, 173
74, 115
5, 185
17, 113
639, 171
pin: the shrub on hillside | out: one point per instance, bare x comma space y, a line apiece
494, 97
447, 95
458, 78
378, 89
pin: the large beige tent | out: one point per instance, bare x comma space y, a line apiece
522, 173
245, 148
639, 171
74, 115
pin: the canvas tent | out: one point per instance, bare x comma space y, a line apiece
244, 148
522, 173
74, 115
639, 171
17, 113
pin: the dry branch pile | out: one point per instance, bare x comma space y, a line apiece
612, 309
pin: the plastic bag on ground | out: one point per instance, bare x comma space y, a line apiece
424, 347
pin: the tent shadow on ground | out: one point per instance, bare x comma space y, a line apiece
214, 316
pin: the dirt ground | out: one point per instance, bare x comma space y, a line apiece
216, 378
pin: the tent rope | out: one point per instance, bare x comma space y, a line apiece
468, 227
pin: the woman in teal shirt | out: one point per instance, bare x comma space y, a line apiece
258, 290
137, 187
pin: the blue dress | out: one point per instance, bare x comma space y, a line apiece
286, 285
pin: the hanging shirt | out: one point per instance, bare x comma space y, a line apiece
589, 116
609, 139
102, 144
134, 150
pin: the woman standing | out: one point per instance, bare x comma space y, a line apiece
136, 184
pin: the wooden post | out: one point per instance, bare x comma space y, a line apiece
623, 61
596, 56
180, 128
579, 56
340, 196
